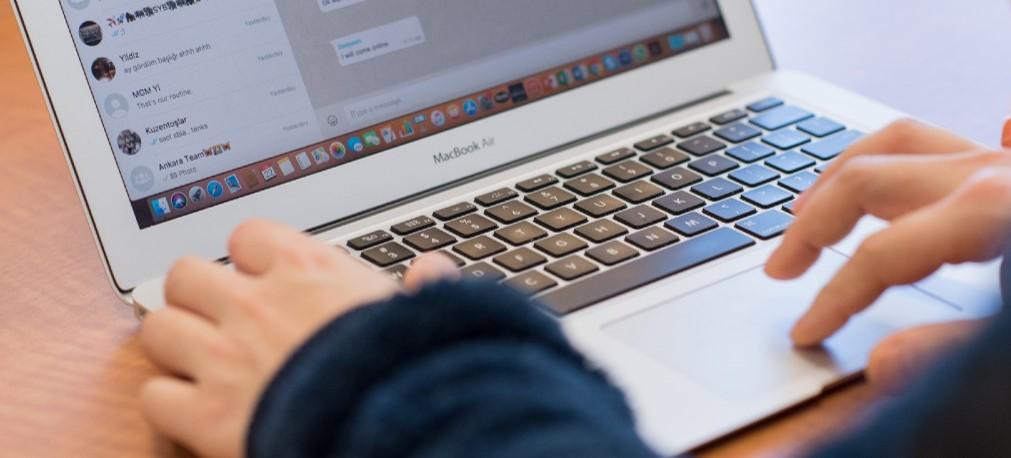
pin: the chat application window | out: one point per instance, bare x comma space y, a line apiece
190, 88
364, 61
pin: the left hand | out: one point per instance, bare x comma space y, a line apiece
226, 332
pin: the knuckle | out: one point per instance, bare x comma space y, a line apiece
904, 128
178, 272
857, 172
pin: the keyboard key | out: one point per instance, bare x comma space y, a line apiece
754, 175
663, 263
639, 192
765, 104
653, 143
820, 127
750, 152
790, 162
691, 129
479, 248
496, 197
588, 185
550, 198
766, 225
561, 245
612, 253
600, 206
521, 233
536, 183
789, 207
717, 189
800, 182
511, 212
472, 225
561, 219
601, 231
520, 259
369, 240
832, 146
576, 169
714, 165
397, 272
780, 117
729, 210
652, 239
482, 271
628, 171
388, 254
413, 225
729, 116
640, 217
679, 203
455, 211
531, 283
702, 145
665, 158
691, 224
738, 132
767, 196
821, 168
676, 178
571, 268
786, 139
618, 155
429, 240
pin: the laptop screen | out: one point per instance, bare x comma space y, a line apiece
206, 101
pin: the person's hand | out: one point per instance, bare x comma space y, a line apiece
226, 332
948, 201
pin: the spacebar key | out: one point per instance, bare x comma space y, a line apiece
659, 265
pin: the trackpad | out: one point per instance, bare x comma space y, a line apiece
733, 336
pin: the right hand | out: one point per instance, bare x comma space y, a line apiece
947, 200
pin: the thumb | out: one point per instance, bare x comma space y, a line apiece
906, 355
429, 268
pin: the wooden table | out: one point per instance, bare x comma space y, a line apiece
70, 364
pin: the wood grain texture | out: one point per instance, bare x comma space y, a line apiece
70, 365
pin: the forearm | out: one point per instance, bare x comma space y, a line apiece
458, 370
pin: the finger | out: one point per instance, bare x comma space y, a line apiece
204, 287
170, 406
1006, 136
256, 244
180, 342
905, 137
883, 186
430, 268
902, 357
912, 248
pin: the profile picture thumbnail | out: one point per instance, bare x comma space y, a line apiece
103, 69
91, 33
129, 142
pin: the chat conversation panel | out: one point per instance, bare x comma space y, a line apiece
379, 41
332, 5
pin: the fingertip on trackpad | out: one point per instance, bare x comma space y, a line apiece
732, 336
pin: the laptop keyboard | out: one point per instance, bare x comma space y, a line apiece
600, 227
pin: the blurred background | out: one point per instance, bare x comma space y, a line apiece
945, 61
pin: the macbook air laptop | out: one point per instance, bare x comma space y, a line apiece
630, 164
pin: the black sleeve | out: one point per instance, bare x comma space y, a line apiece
459, 370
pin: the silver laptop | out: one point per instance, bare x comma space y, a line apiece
630, 164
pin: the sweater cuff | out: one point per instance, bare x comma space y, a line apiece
322, 382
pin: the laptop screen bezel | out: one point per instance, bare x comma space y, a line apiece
133, 255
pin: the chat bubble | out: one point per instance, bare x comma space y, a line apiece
332, 5
379, 41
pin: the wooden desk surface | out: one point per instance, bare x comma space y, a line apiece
70, 364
